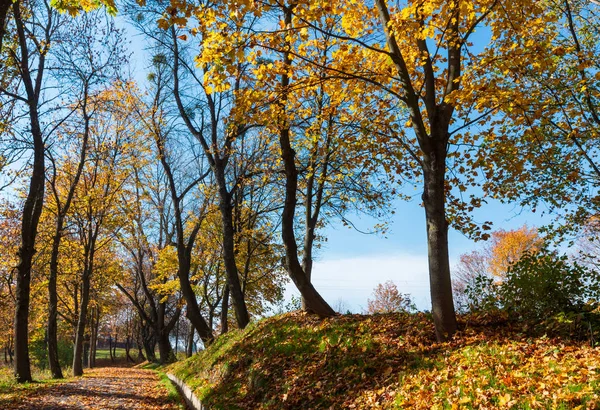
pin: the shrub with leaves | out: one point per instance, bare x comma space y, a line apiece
544, 284
482, 294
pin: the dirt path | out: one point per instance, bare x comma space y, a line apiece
102, 388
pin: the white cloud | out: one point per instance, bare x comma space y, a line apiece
351, 280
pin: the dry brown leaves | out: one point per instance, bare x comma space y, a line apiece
102, 388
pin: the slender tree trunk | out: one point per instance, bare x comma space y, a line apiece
225, 311
31, 215
190, 343
314, 301
110, 355
437, 244
233, 279
53, 362
91, 348
81, 323
32, 208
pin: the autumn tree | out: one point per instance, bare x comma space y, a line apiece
96, 199
35, 25
388, 299
147, 233
90, 56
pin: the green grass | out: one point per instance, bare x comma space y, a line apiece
172, 392
105, 354
390, 361
11, 391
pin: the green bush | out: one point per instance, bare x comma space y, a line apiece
544, 284
482, 294
38, 351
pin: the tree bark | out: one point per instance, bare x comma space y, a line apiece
189, 348
53, 362
81, 323
437, 246
83, 306
225, 311
313, 300
233, 279
32, 210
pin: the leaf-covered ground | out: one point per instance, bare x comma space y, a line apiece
296, 361
101, 388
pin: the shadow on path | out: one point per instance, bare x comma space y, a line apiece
100, 388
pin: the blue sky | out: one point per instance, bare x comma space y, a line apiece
351, 264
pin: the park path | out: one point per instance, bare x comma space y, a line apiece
103, 388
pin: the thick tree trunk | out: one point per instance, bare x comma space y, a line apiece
225, 310
164, 348
193, 310
437, 245
233, 279
149, 349
31, 216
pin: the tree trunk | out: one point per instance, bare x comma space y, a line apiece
53, 362
437, 245
31, 215
112, 359
32, 208
313, 300
81, 323
225, 310
233, 279
193, 310
190, 342
164, 348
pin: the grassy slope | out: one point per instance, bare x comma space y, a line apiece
297, 361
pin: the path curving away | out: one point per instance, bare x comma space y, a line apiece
103, 388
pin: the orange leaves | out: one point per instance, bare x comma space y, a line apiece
507, 247
102, 388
